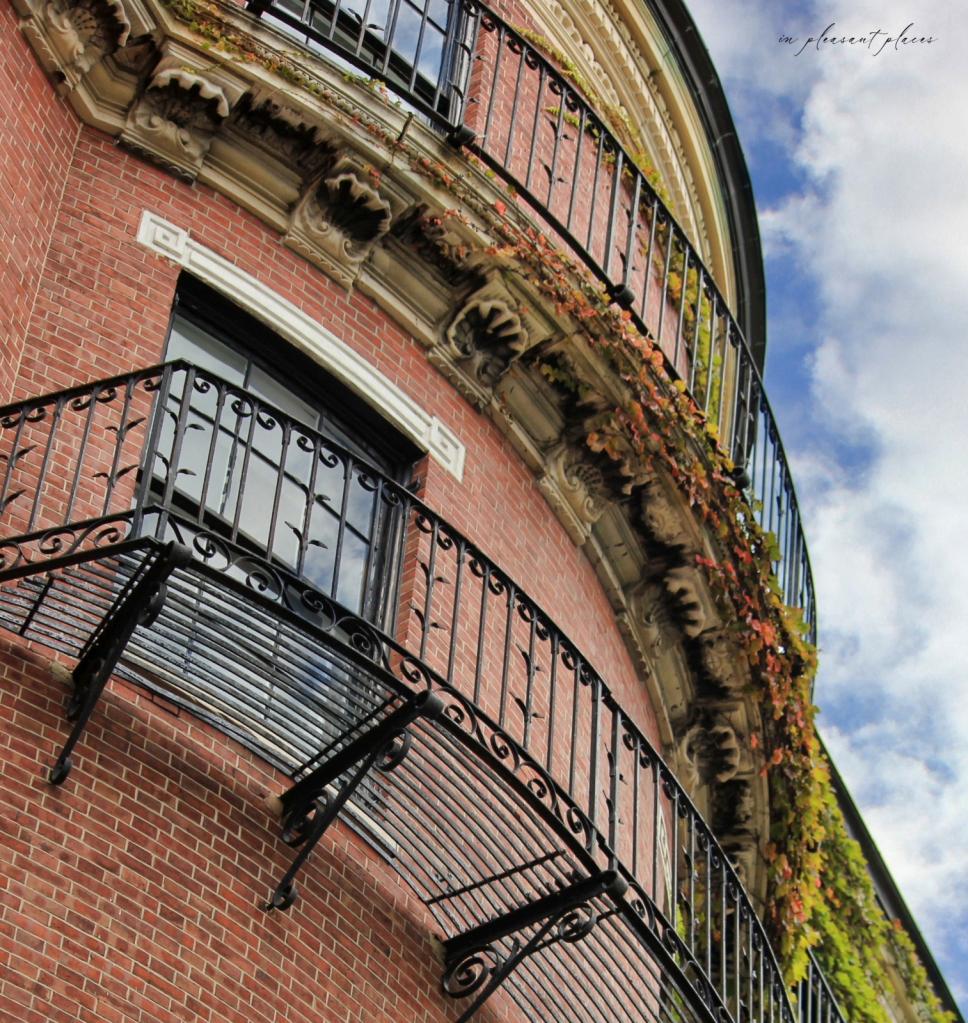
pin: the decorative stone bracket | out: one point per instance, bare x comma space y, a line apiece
72, 36
179, 112
575, 489
491, 330
338, 221
663, 517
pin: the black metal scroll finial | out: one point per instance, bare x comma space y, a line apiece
308, 809
139, 603
473, 963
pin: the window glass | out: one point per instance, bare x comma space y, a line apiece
187, 341
241, 476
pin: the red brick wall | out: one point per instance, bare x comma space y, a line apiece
37, 136
134, 891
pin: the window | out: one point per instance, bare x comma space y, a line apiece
249, 469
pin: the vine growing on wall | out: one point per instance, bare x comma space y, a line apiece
820, 894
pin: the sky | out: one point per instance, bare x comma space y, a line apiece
859, 162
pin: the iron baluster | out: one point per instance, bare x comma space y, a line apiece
511, 596
364, 24
420, 40
348, 465
613, 211
542, 74
708, 904
665, 277
595, 742
149, 454
710, 364
737, 951
655, 827
593, 199
723, 930
529, 683
461, 553
577, 171
765, 444
254, 409
562, 93
490, 104
552, 700
315, 454
482, 622
682, 302
573, 751
393, 14
14, 455
430, 569
122, 430
653, 218
614, 771
210, 458
692, 880
372, 556
673, 797
522, 55
93, 400
45, 462
721, 410
693, 355
277, 495
636, 768
174, 457
625, 297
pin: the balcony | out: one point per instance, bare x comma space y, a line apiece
179, 531
488, 89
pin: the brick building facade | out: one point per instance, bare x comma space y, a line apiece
358, 479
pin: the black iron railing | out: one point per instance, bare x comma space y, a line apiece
289, 520
474, 76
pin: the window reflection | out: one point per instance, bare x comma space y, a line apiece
246, 473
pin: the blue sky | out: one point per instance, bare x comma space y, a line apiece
860, 170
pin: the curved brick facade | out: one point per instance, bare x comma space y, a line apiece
135, 891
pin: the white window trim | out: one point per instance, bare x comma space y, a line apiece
426, 430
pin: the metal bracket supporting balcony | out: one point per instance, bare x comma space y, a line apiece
308, 809
566, 915
139, 603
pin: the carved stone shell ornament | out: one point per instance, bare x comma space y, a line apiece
87, 30
176, 118
484, 338
72, 36
337, 223
683, 584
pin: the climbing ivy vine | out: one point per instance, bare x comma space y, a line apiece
820, 894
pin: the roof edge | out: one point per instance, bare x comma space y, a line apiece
693, 58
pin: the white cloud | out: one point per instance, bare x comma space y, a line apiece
879, 228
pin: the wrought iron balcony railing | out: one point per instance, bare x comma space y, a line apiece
476, 78
180, 529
